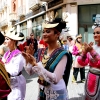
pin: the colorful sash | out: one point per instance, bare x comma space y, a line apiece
5, 82
55, 57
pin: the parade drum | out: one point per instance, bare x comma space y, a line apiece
76, 64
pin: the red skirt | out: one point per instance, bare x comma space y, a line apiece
4, 88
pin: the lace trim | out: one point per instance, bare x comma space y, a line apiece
50, 93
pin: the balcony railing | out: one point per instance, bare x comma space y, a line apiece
12, 17
3, 23
21, 11
34, 4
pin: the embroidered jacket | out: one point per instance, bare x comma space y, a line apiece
92, 58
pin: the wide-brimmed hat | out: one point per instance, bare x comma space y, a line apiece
2, 38
57, 23
12, 34
79, 36
49, 25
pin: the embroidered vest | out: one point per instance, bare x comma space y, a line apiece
51, 65
55, 57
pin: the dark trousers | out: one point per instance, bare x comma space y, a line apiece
82, 73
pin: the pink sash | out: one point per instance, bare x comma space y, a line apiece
9, 55
92, 85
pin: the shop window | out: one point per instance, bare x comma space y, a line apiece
37, 25
86, 18
37, 30
87, 12
58, 12
23, 29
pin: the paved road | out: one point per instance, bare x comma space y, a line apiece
31, 86
75, 91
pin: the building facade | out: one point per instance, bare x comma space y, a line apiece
39, 10
87, 11
27, 15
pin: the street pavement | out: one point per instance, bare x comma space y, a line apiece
75, 91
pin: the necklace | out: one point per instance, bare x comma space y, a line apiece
50, 52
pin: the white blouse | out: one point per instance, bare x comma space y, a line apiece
18, 83
55, 78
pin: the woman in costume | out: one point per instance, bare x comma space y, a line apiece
51, 67
77, 50
91, 57
4, 79
14, 63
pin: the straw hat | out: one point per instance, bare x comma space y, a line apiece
79, 36
57, 23
12, 34
48, 25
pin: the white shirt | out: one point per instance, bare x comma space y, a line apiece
18, 83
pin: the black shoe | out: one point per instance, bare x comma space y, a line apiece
83, 81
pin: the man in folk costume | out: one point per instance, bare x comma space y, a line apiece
77, 50
4, 79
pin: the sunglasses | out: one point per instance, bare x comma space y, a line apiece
96, 33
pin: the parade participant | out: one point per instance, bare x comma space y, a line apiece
91, 57
70, 42
3, 49
14, 63
20, 45
4, 79
33, 41
25, 42
42, 44
77, 50
65, 45
53, 67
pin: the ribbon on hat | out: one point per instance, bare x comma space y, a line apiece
96, 25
